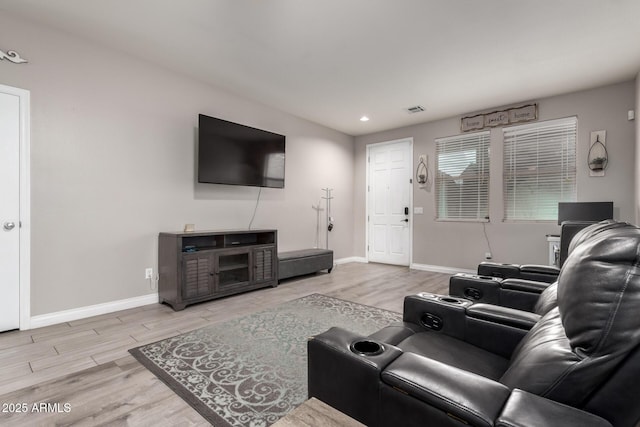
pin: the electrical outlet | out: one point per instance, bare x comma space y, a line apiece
148, 273
487, 255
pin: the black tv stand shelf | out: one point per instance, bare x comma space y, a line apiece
203, 265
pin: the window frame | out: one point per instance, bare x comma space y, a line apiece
482, 142
568, 165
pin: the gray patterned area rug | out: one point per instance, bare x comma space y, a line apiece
252, 370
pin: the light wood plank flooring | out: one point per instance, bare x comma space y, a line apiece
85, 363
313, 413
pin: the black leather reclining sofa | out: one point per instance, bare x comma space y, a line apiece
453, 362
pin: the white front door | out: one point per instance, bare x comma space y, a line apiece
9, 211
389, 202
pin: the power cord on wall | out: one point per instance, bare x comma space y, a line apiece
153, 282
486, 237
256, 208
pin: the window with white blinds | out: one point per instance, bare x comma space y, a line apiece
462, 180
539, 169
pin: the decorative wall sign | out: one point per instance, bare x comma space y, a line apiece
12, 56
523, 114
496, 119
472, 123
499, 118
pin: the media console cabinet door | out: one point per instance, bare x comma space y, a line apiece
232, 269
197, 271
264, 264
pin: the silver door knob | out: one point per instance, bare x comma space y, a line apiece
9, 226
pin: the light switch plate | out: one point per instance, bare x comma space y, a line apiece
418, 210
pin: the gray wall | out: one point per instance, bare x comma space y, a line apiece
637, 171
462, 245
112, 164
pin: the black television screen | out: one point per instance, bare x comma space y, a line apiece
584, 211
230, 153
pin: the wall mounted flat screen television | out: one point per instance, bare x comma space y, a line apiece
584, 211
235, 154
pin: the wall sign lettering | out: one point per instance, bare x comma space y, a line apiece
496, 119
472, 123
523, 114
499, 118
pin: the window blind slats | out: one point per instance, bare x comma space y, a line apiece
539, 169
462, 179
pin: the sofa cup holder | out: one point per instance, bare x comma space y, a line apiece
450, 300
367, 348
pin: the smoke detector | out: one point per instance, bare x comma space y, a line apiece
416, 109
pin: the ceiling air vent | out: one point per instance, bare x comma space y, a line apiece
416, 109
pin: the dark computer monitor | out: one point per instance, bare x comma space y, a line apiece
584, 211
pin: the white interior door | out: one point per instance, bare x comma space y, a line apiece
9, 211
389, 202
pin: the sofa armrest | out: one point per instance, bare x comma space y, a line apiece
521, 294
346, 375
529, 410
496, 269
497, 329
468, 397
540, 273
395, 333
551, 270
524, 285
440, 313
503, 315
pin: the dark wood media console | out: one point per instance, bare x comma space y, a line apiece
202, 265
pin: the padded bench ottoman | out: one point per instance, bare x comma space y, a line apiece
305, 261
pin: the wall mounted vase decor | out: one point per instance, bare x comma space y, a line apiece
598, 157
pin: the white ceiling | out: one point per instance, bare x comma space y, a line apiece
332, 61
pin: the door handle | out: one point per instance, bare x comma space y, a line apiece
9, 225
405, 220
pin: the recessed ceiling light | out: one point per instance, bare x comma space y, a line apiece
364, 119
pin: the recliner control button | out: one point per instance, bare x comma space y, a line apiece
431, 321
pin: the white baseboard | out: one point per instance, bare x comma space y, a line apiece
89, 311
423, 267
110, 307
350, 259
441, 269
